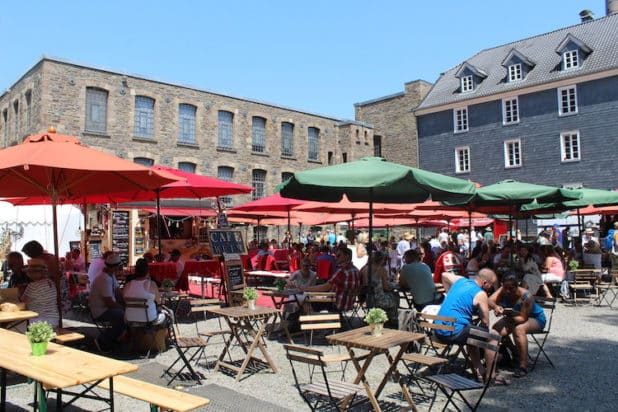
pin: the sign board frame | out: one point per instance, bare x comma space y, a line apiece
233, 280
226, 241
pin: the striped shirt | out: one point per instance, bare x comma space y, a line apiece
44, 301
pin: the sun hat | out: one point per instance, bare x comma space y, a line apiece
113, 260
407, 236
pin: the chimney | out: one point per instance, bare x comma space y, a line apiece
586, 15
611, 7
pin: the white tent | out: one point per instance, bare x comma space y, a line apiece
22, 224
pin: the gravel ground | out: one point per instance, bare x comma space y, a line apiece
583, 346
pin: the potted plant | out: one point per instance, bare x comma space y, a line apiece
573, 265
168, 285
39, 334
280, 283
250, 295
375, 318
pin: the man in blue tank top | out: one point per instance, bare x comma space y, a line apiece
465, 298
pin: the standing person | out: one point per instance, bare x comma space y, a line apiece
488, 235
180, 264
34, 250
402, 246
41, 295
614, 249
345, 282
464, 298
104, 306
19, 277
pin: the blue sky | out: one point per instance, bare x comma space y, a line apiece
320, 56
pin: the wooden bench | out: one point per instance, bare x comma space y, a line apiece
64, 336
158, 396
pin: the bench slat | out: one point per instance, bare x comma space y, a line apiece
165, 398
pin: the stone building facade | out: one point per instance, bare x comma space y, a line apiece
394, 122
154, 122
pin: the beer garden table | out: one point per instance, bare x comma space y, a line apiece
11, 319
62, 367
363, 339
243, 322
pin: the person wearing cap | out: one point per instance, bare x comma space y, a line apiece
40, 295
97, 266
403, 246
103, 301
180, 264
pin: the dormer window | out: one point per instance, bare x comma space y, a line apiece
515, 72
467, 84
570, 59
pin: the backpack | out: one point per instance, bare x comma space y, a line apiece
609, 239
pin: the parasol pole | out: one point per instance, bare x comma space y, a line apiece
370, 247
470, 233
289, 221
158, 193
85, 245
54, 200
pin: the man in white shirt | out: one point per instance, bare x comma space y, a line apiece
180, 264
96, 266
403, 246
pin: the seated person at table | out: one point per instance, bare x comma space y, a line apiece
529, 271
41, 295
180, 264
528, 317
416, 278
464, 298
304, 277
380, 292
79, 264
345, 282
96, 266
104, 306
326, 255
141, 286
19, 277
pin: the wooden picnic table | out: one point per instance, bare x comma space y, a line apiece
242, 322
363, 339
62, 367
9, 320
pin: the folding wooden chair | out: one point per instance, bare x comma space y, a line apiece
183, 347
201, 306
608, 291
322, 393
540, 338
148, 326
452, 384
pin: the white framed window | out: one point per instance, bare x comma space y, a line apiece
258, 134
188, 167
313, 135
287, 139
467, 84
144, 117
512, 153
186, 123
96, 110
144, 161
259, 184
226, 130
570, 149
462, 159
225, 173
570, 59
460, 119
515, 72
510, 111
567, 100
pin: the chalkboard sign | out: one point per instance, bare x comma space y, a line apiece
94, 249
228, 241
234, 279
120, 234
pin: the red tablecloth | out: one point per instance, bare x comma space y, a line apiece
162, 270
210, 268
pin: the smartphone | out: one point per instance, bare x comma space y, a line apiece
510, 312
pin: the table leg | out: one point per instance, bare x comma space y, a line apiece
394, 362
111, 394
42, 401
360, 377
257, 336
3, 390
228, 343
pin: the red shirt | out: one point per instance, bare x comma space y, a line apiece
346, 284
448, 262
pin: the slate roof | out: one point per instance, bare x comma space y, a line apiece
600, 35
